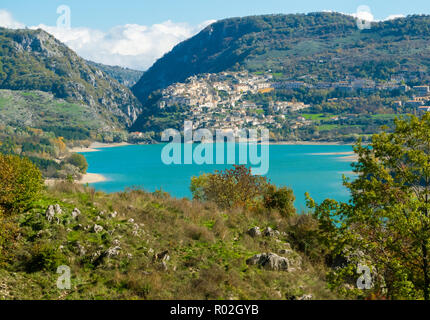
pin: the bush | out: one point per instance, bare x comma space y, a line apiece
79, 161
8, 232
20, 183
281, 199
235, 187
44, 257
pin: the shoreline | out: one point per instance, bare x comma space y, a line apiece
95, 146
92, 178
86, 178
310, 143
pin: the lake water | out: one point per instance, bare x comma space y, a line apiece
316, 169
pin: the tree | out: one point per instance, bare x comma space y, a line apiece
229, 188
281, 199
8, 146
79, 161
386, 224
20, 183
237, 187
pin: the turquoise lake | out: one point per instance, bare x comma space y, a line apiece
316, 169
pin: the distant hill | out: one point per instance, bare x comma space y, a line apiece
125, 76
35, 60
316, 46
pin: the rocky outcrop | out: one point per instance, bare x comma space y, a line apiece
269, 232
254, 232
97, 228
270, 261
76, 213
52, 212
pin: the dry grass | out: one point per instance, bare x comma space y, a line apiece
207, 247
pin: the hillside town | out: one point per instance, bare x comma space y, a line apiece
220, 101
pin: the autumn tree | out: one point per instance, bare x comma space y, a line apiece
20, 183
237, 187
229, 188
386, 224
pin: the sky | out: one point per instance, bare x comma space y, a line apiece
134, 33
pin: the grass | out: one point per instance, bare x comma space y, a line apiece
208, 248
317, 117
328, 127
38, 109
386, 116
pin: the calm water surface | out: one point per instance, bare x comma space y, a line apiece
316, 169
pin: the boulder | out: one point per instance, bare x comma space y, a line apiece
269, 232
163, 256
294, 259
284, 251
50, 213
254, 232
114, 251
75, 213
81, 249
97, 228
270, 261
57, 209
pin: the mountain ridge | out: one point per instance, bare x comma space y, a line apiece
35, 60
324, 45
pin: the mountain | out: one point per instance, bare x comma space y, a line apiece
35, 60
126, 76
38, 109
316, 46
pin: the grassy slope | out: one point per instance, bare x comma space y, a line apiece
208, 249
40, 109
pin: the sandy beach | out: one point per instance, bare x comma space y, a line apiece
311, 143
95, 146
349, 156
92, 178
86, 178
347, 153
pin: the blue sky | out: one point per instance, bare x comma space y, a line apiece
106, 14
135, 33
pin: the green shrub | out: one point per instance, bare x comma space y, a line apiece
281, 199
44, 257
79, 161
8, 232
20, 183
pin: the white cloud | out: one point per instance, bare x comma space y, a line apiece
368, 15
7, 21
394, 16
131, 45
